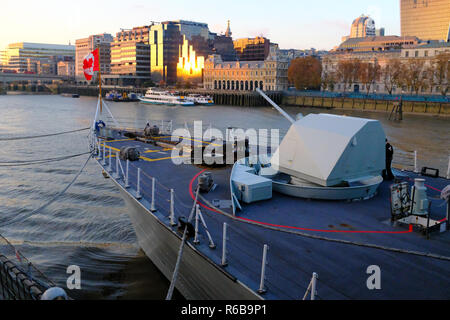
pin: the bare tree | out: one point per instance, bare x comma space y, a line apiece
368, 74
328, 80
415, 75
348, 72
390, 74
441, 72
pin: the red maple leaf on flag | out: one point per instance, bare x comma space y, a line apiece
87, 63
91, 64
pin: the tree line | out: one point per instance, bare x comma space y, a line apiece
411, 74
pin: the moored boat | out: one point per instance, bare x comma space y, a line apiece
199, 99
165, 98
121, 97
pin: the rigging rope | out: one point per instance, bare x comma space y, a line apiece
180, 253
43, 135
17, 163
22, 218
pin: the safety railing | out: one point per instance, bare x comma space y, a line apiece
19, 278
236, 251
237, 248
405, 160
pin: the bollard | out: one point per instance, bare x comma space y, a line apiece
224, 245
138, 192
153, 206
314, 286
416, 170
262, 289
127, 182
172, 211
116, 174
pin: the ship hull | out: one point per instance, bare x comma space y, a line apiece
199, 278
158, 102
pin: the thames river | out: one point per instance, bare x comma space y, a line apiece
89, 226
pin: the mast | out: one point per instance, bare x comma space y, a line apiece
100, 81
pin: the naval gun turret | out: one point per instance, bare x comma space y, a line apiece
325, 156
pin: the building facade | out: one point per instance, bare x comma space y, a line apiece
66, 69
269, 74
252, 49
376, 43
86, 46
178, 50
426, 52
425, 19
19, 57
130, 57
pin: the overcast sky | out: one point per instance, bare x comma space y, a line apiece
299, 24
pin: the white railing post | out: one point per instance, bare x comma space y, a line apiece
262, 289
171, 127
104, 153
224, 245
197, 209
98, 147
109, 162
172, 208
127, 182
116, 174
153, 204
448, 169
416, 170
138, 191
162, 126
211, 241
314, 286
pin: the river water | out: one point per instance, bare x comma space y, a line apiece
89, 226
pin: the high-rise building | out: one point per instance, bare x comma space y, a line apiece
18, 56
362, 26
425, 19
173, 47
130, 57
87, 45
252, 49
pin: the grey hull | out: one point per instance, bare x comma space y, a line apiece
199, 278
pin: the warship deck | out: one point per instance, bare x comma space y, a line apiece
338, 240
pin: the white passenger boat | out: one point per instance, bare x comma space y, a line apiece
199, 99
164, 97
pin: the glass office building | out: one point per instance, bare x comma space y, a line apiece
425, 19
18, 56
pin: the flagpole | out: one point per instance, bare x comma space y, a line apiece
100, 80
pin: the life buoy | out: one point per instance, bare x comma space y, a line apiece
99, 124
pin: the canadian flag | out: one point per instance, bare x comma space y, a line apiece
91, 63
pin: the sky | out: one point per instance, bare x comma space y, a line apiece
298, 24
